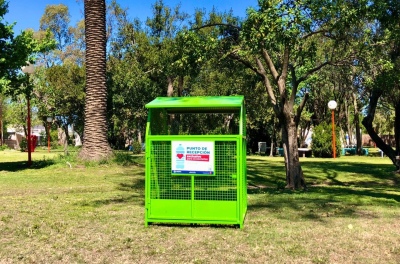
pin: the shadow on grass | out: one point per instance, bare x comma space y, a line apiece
137, 185
23, 165
133, 192
321, 202
133, 198
360, 184
271, 172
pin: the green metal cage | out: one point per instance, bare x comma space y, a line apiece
196, 160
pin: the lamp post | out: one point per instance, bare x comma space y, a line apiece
332, 105
49, 119
29, 69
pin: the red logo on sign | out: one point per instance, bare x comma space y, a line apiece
192, 157
179, 156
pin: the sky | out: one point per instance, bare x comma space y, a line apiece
27, 13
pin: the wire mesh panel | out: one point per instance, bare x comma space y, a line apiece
222, 186
162, 184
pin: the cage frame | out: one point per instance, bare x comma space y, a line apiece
228, 204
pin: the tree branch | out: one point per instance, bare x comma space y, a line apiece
217, 24
246, 63
308, 73
267, 83
270, 64
285, 64
314, 33
300, 109
295, 83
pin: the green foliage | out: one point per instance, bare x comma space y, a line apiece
280, 185
63, 91
3, 147
23, 145
144, 55
54, 139
43, 138
123, 158
136, 147
322, 141
56, 19
15, 52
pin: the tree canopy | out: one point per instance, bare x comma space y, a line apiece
289, 58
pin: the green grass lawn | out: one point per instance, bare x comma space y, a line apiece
59, 211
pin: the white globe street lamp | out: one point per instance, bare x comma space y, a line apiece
29, 69
49, 119
332, 105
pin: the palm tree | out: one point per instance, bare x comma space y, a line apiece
95, 144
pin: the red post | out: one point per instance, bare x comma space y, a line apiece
333, 134
29, 132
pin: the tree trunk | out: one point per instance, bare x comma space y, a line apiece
397, 134
397, 128
348, 124
95, 144
139, 136
294, 173
67, 136
367, 122
271, 150
2, 135
170, 88
180, 85
357, 124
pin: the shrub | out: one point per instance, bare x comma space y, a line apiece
43, 139
3, 147
23, 145
136, 148
322, 141
123, 158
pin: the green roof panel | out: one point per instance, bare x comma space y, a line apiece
198, 102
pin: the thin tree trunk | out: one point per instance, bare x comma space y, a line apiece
180, 85
139, 136
2, 135
357, 124
271, 151
348, 123
170, 88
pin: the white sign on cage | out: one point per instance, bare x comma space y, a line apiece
192, 157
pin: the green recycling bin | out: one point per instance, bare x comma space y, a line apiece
196, 160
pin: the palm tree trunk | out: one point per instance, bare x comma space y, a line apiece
95, 143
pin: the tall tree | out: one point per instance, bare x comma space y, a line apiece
383, 72
16, 50
282, 42
60, 78
163, 29
95, 144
